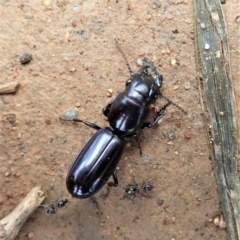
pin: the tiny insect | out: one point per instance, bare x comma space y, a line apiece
132, 191
52, 207
136, 190
147, 186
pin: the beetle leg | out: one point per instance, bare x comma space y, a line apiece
176, 105
135, 135
89, 124
115, 180
105, 110
160, 114
105, 195
110, 184
138, 143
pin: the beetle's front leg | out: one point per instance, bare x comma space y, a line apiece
176, 105
160, 114
89, 124
106, 109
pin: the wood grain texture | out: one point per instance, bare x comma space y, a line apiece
217, 92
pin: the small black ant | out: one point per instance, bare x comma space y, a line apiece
131, 191
147, 186
135, 190
52, 208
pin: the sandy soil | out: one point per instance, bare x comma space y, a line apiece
75, 62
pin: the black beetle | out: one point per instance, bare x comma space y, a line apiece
127, 114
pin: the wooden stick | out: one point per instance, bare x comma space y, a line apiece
217, 92
12, 223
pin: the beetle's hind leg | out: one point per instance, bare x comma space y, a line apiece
115, 180
110, 184
138, 143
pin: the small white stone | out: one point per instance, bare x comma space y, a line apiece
140, 61
187, 85
207, 46
76, 7
218, 54
203, 26
70, 114
30, 235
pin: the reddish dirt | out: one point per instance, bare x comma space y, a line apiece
75, 62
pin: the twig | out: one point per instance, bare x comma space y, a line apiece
12, 223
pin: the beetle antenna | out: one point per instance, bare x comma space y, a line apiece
124, 56
176, 105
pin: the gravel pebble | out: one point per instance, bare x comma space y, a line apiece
203, 26
73, 69
16, 175
108, 94
207, 46
47, 3
178, 124
160, 202
187, 85
30, 235
21, 193
70, 114
78, 104
168, 51
140, 61
175, 87
173, 62
187, 135
171, 134
26, 58
9, 194
149, 17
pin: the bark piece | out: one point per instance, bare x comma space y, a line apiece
10, 87
217, 92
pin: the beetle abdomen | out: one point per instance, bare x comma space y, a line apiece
94, 164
